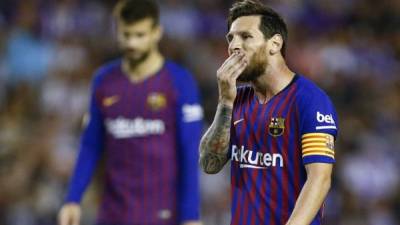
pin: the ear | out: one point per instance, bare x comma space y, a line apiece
158, 32
276, 43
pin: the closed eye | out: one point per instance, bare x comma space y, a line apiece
246, 36
229, 38
139, 34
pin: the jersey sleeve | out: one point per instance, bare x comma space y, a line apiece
189, 128
90, 150
318, 128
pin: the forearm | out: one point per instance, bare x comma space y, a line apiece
310, 201
83, 172
215, 143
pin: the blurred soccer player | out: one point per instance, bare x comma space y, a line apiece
278, 131
146, 118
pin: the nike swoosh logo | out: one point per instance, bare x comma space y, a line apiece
237, 121
109, 101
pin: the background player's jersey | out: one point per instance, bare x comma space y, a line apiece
270, 145
149, 132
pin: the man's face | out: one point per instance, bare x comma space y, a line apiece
245, 36
138, 39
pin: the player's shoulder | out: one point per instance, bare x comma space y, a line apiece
180, 75
308, 91
106, 70
177, 70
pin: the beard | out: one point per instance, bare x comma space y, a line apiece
135, 58
258, 64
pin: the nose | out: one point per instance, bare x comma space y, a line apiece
235, 45
132, 42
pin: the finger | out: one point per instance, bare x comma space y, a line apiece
239, 70
237, 66
60, 218
235, 60
232, 60
234, 74
229, 58
75, 221
226, 61
62, 221
234, 64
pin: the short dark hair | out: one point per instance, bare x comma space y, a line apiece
131, 11
271, 22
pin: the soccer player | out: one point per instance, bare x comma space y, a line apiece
278, 130
146, 119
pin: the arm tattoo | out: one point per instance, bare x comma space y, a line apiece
214, 144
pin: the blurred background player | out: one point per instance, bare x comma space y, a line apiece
278, 131
146, 119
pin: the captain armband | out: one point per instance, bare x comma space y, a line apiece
318, 144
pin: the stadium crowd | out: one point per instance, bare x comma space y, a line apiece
49, 50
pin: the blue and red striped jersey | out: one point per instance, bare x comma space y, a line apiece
149, 133
271, 144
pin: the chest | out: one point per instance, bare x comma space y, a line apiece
137, 110
259, 124
153, 98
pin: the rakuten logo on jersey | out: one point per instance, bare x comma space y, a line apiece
256, 160
138, 127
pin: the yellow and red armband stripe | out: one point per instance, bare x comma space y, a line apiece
318, 144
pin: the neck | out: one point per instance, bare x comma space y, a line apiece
149, 67
275, 78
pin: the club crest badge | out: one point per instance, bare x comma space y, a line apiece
276, 126
156, 101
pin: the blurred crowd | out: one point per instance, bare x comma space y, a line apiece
49, 50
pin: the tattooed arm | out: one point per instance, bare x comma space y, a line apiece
215, 143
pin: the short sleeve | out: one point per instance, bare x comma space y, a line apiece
318, 128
